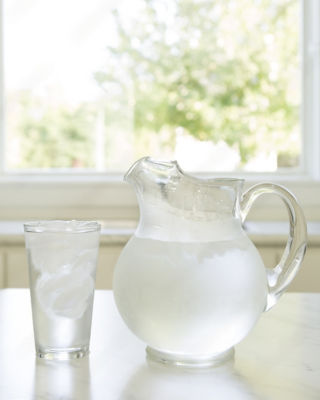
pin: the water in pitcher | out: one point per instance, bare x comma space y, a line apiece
190, 297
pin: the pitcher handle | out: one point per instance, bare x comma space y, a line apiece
282, 274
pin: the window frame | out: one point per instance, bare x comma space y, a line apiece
104, 196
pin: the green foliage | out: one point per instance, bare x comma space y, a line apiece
55, 137
219, 70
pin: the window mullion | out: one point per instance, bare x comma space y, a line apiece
2, 114
311, 88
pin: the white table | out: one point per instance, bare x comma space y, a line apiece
280, 359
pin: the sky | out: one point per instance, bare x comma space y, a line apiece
57, 44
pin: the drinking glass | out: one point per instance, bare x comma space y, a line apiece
62, 257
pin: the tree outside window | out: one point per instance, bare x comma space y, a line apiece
214, 84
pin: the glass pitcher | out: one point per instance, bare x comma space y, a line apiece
190, 283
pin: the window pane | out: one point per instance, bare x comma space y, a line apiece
96, 85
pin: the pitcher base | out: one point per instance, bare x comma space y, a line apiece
179, 360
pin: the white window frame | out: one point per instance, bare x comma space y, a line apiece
105, 196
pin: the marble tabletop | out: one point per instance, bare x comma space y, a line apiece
279, 359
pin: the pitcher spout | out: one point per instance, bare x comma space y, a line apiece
163, 188
155, 170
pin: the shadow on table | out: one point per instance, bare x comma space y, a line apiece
156, 381
68, 380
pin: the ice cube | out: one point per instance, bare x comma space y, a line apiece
66, 294
50, 252
86, 260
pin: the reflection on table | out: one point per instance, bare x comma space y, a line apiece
280, 359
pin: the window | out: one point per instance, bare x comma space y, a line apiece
224, 86
95, 85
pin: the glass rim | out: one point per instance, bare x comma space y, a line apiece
61, 226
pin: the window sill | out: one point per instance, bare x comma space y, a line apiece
109, 198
